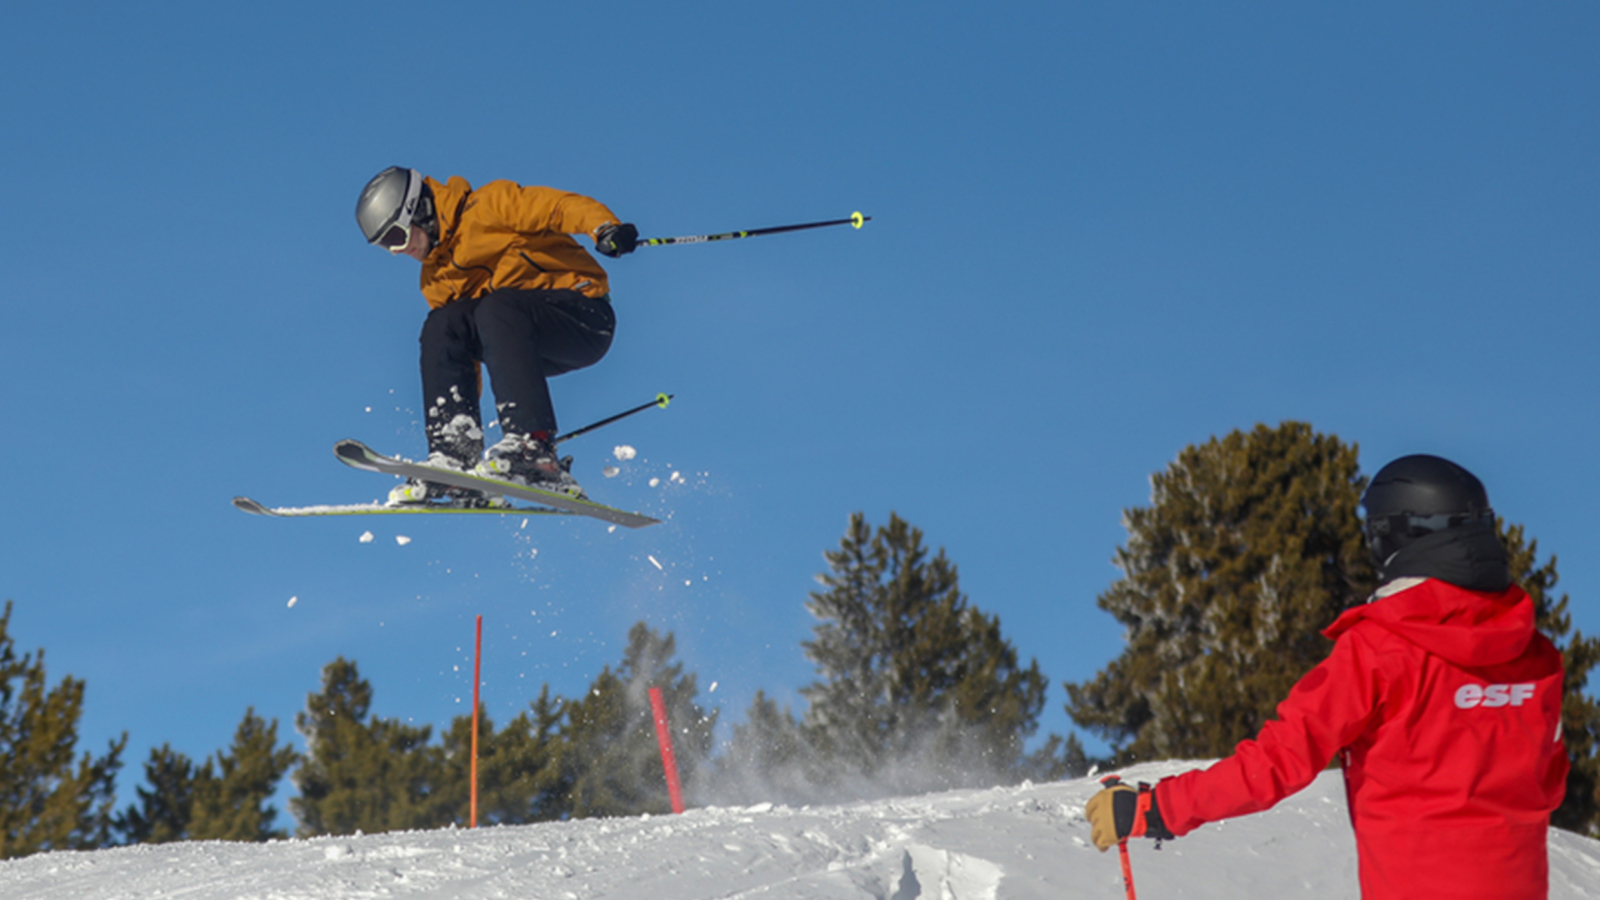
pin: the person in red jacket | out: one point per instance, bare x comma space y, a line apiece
1440, 698
509, 289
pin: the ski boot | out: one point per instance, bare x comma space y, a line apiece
417, 492
526, 459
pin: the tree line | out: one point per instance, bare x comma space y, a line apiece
1250, 546
919, 691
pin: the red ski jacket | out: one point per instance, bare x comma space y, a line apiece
1446, 706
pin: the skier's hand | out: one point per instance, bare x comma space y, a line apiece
1120, 812
615, 240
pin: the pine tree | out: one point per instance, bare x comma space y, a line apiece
516, 773
918, 689
607, 762
1580, 713
231, 791
222, 799
360, 775
163, 812
50, 798
1251, 545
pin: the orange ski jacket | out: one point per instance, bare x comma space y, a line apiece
504, 235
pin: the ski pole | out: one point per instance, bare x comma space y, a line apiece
1127, 869
661, 400
856, 220
1122, 847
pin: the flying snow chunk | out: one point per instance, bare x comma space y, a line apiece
293, 601
624, 452
610, 471
655, 482
366, 537
402, 540
654, 561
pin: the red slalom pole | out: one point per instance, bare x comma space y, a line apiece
669, 762
477, 667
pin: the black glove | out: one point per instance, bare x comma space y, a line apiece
1120, 812
615, 240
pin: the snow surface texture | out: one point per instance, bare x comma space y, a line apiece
1029, 841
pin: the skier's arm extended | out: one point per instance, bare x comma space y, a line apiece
1325, 711
530, 210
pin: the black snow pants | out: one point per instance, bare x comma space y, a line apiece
522, 337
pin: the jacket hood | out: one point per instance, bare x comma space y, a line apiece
1468, 628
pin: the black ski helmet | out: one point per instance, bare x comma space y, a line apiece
1416, 496
395, 198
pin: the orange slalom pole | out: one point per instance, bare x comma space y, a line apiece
477, 668
669, 761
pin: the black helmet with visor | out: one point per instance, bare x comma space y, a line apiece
1415, 496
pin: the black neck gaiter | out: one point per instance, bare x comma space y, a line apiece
1467, 556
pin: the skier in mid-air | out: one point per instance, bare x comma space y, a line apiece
1440, 697
509, 288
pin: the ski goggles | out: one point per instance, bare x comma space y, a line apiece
1412, 525
397, 234
395, 237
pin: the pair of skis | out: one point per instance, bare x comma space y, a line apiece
360, 456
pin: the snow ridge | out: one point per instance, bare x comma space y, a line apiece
1028, 841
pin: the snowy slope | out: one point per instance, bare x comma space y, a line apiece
1021, 842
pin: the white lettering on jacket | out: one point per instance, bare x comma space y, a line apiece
1490, 696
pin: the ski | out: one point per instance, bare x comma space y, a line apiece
358, 455
378, 509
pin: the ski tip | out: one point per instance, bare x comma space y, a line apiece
251, 506
354, 453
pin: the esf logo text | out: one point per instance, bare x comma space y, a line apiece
1490, 696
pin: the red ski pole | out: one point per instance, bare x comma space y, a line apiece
1122, 848
1127, 869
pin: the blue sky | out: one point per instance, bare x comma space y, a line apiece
1100, 233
